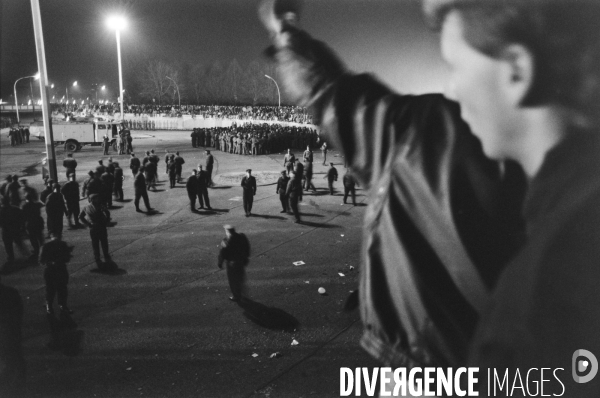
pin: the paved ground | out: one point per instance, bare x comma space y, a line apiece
164, 326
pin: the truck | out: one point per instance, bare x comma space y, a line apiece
76, 135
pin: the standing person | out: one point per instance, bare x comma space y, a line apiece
294, 192
308, 176
55, 210
11, 222
281, 189
349, 186
101, 168
55, 255
179, 162
150, 173
420, 300
249, 186
70, 191
234, 252
172, 171
70, 165
34, 223
209, 167
307, 156
28, 190
324, 153
203, 180
288, 161
92, 185
96, 219
194, 136
13, 191
141, 191
191, 187
118, 182
129, 140
107, 188
134, 164
200, 138
331, 175
27, 134
13, 371
105, 144
154, 159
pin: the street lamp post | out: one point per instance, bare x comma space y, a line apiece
118, 23
276, 85
36, 76
176, 86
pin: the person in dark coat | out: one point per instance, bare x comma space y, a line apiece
150, 174
55, 210
203, 180
134, 164
191, 187
34, 223
141, 191
91, 186
13, 191
194, 136
200, 137
349, 186
281, 189
95, 217
13, 369
55, 255
210, 160
110, 166
70, 165
179, 162
234, 252
129, 140
118, 182
249, 186
105, 144
308, 176
28, 190
294, 191
101, 168
172, 171
107, 188
11, 222
331, 175
70, 192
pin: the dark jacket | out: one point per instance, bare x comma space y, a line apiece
249, 185
235, 249
192, 184
282, 185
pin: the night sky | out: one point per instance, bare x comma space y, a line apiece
387, 37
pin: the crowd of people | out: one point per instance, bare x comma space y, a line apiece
18, 135
293, 114
255, 139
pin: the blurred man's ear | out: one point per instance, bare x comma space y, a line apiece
518, 74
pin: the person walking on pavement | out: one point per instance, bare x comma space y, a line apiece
294, 191
332, 175
96, 219
281, 189
288, 161
70, 164
70, 191
203, 180
34, 223
209, 167
55, 255
141, 191
308, 176
249, 186
191, 187
234, 252
134, 164
349, 186
55, 210
172, 171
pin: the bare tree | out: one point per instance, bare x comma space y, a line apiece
232, 83
154, 80
253, 82
197, 81
214, 83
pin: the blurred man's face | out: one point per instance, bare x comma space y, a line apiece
477, 82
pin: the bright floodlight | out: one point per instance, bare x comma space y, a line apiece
75, 83
116, 22
36, 76
103, 87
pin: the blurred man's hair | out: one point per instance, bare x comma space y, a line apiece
562, 35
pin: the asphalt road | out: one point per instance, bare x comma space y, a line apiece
163, 327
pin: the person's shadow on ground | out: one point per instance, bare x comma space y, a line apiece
269, 317
64, 335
